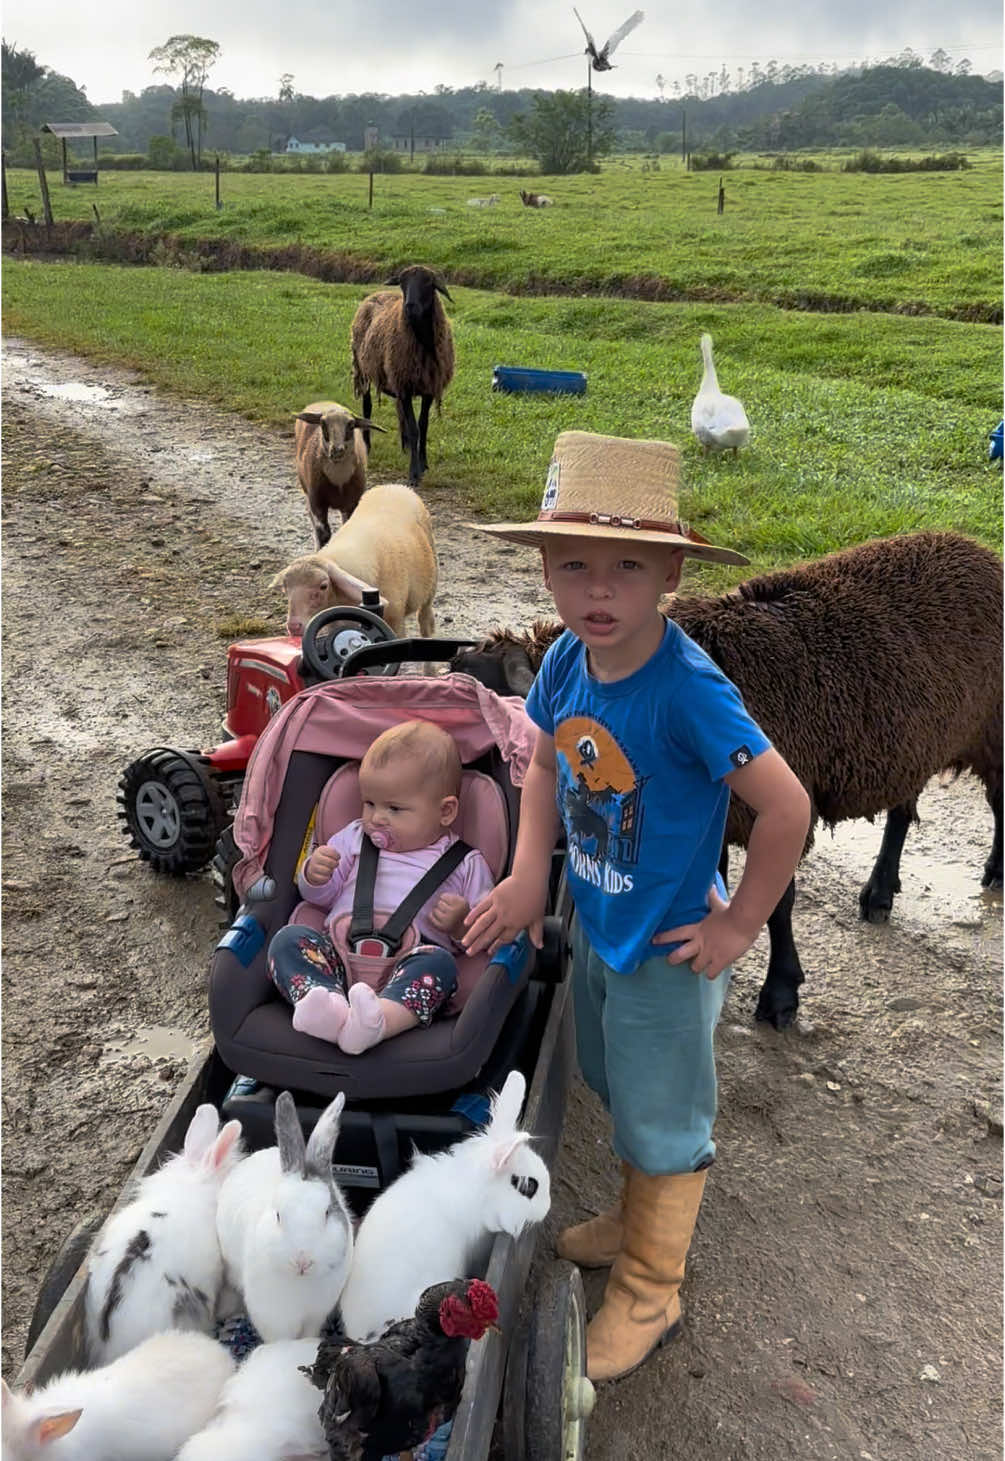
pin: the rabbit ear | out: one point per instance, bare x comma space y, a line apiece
505, 1150
507, 1105
201, 1132
289, 1134
322, 1140
51, 1427
220, 1150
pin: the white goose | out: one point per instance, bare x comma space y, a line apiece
717, 421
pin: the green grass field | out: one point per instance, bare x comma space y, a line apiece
928, 242
864, 424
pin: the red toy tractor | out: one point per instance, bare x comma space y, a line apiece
176, 806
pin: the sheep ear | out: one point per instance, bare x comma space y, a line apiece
440, 284
313, 418
364, 425
289, 1135
279, 581
52, 1427
346, 584
507, 1104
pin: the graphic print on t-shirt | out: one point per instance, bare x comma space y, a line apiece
599, 797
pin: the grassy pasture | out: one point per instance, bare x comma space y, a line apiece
928, 242
864, 424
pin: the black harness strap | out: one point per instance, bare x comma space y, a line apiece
393, 931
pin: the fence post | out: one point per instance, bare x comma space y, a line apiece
3, 177
218, 203
370, 204
720, 205
42, 181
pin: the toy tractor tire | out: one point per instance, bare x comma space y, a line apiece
225, 859
172, 811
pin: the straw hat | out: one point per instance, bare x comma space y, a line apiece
612, 487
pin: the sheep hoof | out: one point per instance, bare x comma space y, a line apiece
875, 904
992, 878
777, 1007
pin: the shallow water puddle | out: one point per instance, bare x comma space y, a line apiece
153, 1041
76, 391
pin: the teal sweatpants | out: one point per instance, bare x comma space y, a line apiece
645, 1045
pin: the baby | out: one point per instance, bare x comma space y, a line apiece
409, 782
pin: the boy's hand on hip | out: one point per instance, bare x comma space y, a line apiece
711, 945
508, 910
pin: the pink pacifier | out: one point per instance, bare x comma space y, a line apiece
380, 839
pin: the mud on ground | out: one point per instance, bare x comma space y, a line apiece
843, 1298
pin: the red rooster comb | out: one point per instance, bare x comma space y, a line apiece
470, 1316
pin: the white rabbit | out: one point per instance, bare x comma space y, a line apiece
268, 1411
284, 1228
158, 1263
430, 1224
141, 1407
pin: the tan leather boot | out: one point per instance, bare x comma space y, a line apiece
597, 1242
641, 1309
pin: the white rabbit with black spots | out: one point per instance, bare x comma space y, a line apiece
431, 1224
141, 1407
284, 1228
157, 1265
268, 1411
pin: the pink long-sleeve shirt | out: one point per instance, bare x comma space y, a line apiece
397, 875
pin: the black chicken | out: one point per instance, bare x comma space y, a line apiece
600, 60
388, 1396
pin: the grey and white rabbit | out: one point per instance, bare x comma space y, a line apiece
158, 1264
141, 1407
268, 1411
431, 1224
284, 1228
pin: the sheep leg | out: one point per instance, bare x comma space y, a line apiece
367, 408
427, 401
993, 869
319, 520
875, 901
409, 437
778, 1000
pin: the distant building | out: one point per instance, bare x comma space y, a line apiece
317, 140
405, 142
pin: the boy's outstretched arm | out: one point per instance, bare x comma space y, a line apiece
519, 901
771, 789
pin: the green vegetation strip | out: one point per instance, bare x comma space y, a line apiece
912, 243
864, 425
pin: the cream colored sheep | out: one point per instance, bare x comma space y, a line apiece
331, 452
387, 544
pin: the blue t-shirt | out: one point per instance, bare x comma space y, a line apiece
640, 786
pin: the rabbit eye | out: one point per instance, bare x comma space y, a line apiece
526, 1186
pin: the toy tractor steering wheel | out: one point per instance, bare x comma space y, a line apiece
324, 654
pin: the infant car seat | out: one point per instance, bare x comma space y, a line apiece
295, 792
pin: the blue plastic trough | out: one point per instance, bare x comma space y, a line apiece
995, 447
521, 378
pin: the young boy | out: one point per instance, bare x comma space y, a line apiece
640, 740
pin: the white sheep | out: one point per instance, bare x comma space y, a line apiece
331, 451
387, 544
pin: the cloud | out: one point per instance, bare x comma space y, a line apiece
393, 46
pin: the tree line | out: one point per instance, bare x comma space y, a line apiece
901, 103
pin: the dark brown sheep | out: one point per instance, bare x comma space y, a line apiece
871, 670
402, 346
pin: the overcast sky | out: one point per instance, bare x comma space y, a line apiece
413, 45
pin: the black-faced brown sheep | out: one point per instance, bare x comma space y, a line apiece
402, 346
535, 200
331, 462
387, 544
871, 670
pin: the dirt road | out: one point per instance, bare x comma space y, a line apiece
844, 1294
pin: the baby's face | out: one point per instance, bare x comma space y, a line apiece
401, 810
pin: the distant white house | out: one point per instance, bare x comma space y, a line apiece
315, 141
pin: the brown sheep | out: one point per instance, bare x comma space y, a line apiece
403, 347
535, 200
387, 544
871, 670
331, 462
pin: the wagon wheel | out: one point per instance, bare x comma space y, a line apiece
545, 1415
58, 1275
171, 809
225, 859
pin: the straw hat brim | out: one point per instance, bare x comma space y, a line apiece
536, 535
